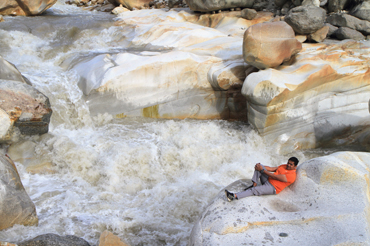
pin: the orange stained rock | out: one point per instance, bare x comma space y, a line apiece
109, 239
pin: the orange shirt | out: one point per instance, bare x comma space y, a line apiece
289, 174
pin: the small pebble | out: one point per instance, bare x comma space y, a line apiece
283, 234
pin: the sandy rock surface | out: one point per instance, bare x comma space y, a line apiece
327, 205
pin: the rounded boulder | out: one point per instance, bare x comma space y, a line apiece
306, 19
267, 45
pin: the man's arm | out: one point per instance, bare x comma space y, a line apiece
280, 177
258, 167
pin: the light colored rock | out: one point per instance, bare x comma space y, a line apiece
131, 4
345, 20
9, 72
27, 108
212, 5
119, 10
1, 18
306, 19
109, 239
28, 7
320, 100
7, 244
6, 126
301, 38
191, 78
16, 206
327, 205
319, 35
267, 45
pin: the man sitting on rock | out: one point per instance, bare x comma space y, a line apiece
273, 180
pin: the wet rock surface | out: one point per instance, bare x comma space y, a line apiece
55, 240
16, 206
314, 202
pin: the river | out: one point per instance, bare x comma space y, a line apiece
146, 180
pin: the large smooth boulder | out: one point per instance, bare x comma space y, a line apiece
327, 205
22, 107
25, 7
212, 5
268, 45
320, 100
55, 240
16, 206
193, 71
306, 19
362, 11
346, 20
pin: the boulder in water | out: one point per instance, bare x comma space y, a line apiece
16, 206
23, 107
27, 8
54, 239
329, 196
267, 45
109, 239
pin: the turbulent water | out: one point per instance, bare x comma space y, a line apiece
145, 180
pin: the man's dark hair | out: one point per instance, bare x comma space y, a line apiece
294, 159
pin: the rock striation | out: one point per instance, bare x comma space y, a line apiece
269, 44
16, 206
26, 8
327, 205
320, 100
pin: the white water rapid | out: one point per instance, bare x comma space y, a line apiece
145, 180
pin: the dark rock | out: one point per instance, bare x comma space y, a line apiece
345, 20
332, 29
260, 5
306, 19
362, 11
212, 5
348, 33
248, 14
55, 240
337, 5
280, 3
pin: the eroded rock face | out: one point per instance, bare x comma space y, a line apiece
16, 206
25, 108
306, 19
268, 45
211, 5
193, 71
319, 100
329, 196
25, 7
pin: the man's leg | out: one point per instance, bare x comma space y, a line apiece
265, 189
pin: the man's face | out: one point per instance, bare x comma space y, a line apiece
290, 165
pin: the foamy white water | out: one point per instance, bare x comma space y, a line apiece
145, 180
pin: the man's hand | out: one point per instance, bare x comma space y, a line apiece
258, 167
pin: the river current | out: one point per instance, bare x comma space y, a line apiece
145, 180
